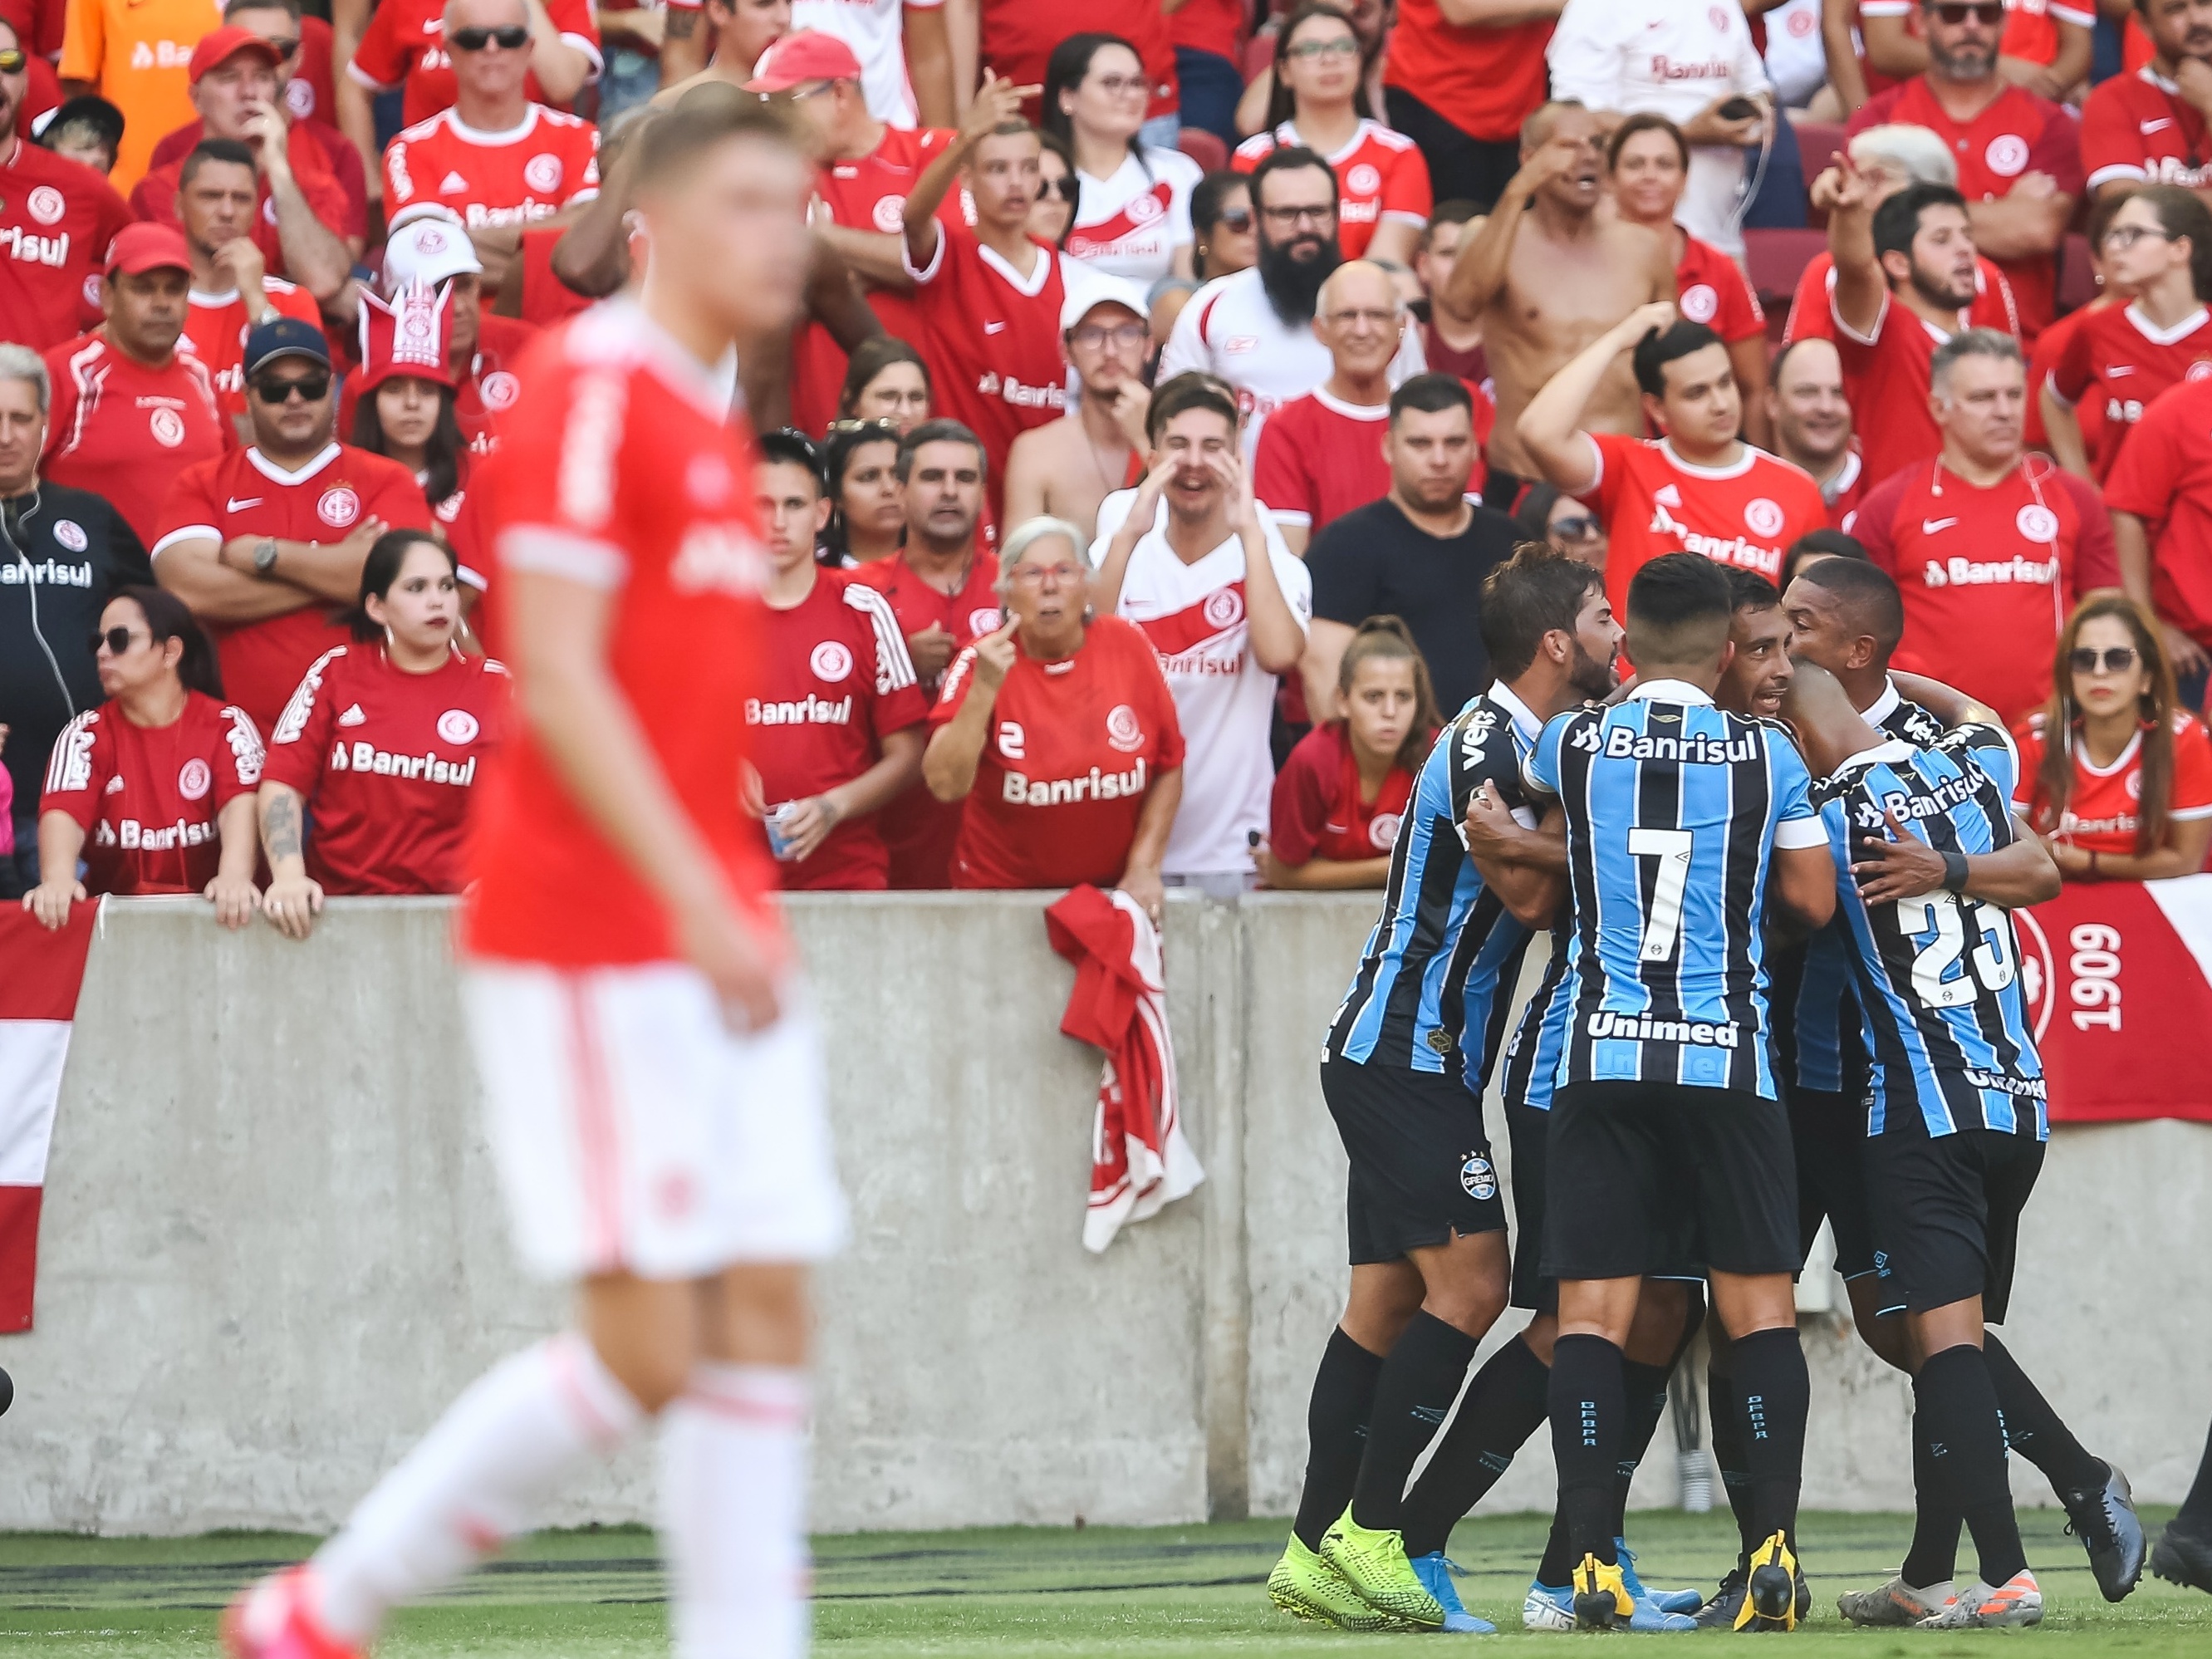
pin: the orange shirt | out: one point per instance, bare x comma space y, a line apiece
136, 53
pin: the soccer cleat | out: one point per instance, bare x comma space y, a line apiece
1770, 1599
1305, 1584
1548, 1607
1602, 1601
2015, 1601
1721, 1607
1373, 1561
1681, 1601
1896, 1603
2105, 1522
2184, 1555
271, 1619
1436, 1576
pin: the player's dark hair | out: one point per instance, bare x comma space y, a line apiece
2180, 213
1539, 590
2154, 710
232, 150
871, 358
1386, 639
1281, 105
1896, 221
1680, 607
1066, 70
787, 446
1749, 591
441, 451
1815, 546
1291, 158
940, 431
1659, 347
1053, 143
168, 618
1431, 394
1644, 121
1868, 596
1182, 393
1209, 200
698, 125
381, 568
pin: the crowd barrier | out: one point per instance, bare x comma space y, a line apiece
272, 1251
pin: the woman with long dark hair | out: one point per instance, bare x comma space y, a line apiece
885, 380
1226, 232
867, 502
2114, 773
1052, 216
154, 788
1133, 211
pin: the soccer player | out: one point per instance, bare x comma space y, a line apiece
1403, 1067
2150, 126
1683, 823
1812, 423
626, 971
2184, 1555
1700, 488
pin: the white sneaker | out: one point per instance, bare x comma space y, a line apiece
1546, 1607
1896, 1603
2016, 1601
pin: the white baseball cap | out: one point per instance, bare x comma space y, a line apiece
1095, 288
427, 246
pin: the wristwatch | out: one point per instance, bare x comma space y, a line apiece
265, 556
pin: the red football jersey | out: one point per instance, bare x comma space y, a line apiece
1654, 502
1316, 811
621, 469
1379, 175
1483, 79
1711, 288
2104, 806
215, 330
388, 761
546, 162
1319, 457
485, 393
1846, 490
405, 44
1812, 311
57, 218
2031, 30
2138, 127
1886, 381
336, 152
834, 678
148, 797
241, 493
313, 168
2122, 361
2049, 346
992, 338
2164, 478
125, 431
1988, 575
1018, 36
546, 299
2019, 133
1074, 747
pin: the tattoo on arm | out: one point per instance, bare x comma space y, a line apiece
681, 23
282, 829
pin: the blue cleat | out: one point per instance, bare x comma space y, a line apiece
1650, 1617
1548, 1607
1683, 1600
1436, 1576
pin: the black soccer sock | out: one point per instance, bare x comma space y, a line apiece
1776, 1396
1556, 1570
1588, 1416
1643, 1389
1336, 1434
1956, 1406
1727, 1412
2197, 1508
1505, 1405
1419, 1381
1933, 1558
2034, 1429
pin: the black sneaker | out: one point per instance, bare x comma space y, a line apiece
2105, 1520
2184, 1555
1720, 1609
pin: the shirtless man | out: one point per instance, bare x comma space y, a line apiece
743, 29
1067, 467
1548, 275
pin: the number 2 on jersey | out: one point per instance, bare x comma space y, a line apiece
1945, 917
1663, 917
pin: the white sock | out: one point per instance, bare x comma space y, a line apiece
476, 1479
734, 1512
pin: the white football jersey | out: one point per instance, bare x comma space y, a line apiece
1130, 225
876, 31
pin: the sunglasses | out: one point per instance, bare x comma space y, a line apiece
117, 640
1238, 220
12, 60
1343, 46
312, 388
2116, 658
1582, 528
1067, 187
284, 48
512, 38
1988, 13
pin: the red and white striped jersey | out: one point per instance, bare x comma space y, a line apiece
1130, 225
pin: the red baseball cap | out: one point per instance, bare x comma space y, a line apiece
220, 46
809, 55
147, 246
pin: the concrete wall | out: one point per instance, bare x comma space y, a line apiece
272, 1249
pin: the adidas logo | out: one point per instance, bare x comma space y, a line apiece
451, 181
1667, 495
352, 716
114, 785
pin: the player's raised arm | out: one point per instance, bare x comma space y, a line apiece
998, 103
1551, 426
1861, 288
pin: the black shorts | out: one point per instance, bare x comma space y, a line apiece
1641, 1174
1829, 1133
1527, 1130
1421, 1169
1946, 1215
1460, 165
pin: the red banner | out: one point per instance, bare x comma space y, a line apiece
2118, 975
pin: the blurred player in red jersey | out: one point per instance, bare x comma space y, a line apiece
653, 1080
838, 725
2161, 498
2148, 125
1812, 422
1320, 455
1990, 546
1699, 488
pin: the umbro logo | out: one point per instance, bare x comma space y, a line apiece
451, 181
237, 505
1929, 526
352, 716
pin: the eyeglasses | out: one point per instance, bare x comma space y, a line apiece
1582, 528
1290, 216
312, 388
512, 38
1236, 219
1372, 318
2126, 236
12, 60
1306, 51
1121, 86
1988, 13
1091, 336
1034, 576
1067, 187
117, 640
2116, 658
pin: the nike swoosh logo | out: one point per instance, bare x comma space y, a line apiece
2114, 371
237, 505
994, 328
1929, 526
2159, 126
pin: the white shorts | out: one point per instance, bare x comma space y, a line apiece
635, 1132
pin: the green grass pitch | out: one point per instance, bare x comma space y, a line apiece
1155, 1593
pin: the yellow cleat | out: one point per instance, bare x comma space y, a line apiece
1772, 1601
1601, 1597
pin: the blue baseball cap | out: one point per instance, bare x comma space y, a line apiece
285, 337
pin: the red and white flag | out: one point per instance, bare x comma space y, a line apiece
40, 974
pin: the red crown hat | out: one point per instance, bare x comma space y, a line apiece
405, 335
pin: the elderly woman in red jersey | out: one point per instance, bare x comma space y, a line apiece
1334, 817
1060, 733
2114, 772
381, 744
154, 787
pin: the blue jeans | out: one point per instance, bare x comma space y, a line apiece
1211, 87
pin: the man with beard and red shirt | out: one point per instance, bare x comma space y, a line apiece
57, 218
262, 542
838, 725
942, 588
131, 411
1990, 546
2020, 158
2149, 125
232, 293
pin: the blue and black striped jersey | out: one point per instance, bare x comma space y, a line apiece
1432, 989
1673, 810
1533, 1056
1938, 976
